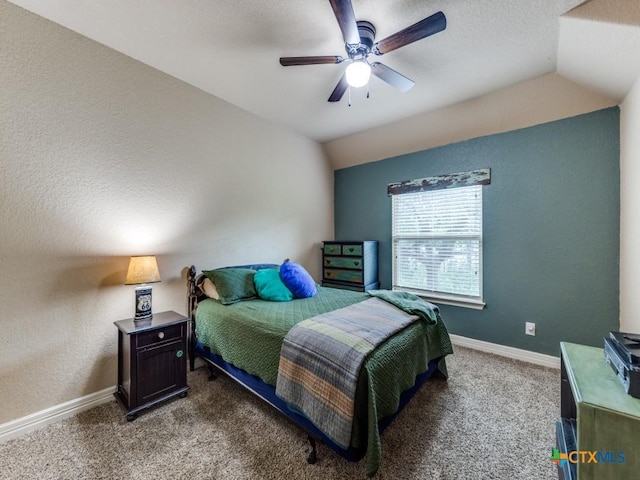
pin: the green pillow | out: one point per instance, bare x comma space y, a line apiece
270, 287
233, 284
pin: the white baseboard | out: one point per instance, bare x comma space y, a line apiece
510, 352
36, 420
20, 426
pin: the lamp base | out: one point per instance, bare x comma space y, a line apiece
143, 303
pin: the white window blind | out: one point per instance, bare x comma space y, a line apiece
437, 244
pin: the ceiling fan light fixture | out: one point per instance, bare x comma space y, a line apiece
358, 73
359, 43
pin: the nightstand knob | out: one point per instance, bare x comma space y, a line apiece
161, 335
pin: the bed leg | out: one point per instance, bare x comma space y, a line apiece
313, 454
212, 373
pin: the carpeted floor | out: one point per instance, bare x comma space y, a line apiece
493, 419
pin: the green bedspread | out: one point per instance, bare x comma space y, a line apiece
249, 334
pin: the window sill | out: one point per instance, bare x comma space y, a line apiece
447, 300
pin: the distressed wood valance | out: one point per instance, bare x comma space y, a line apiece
463, 179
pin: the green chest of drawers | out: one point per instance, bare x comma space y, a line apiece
599, 431
352, 265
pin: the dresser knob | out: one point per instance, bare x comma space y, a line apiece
161, 335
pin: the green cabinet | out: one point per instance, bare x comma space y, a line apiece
350, 265
599, 432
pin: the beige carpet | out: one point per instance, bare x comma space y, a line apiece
493, 419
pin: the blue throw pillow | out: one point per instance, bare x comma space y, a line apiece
270, 287
298, 280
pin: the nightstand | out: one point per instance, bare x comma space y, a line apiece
152, 361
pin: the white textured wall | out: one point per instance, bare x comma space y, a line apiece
102, 157
630, 211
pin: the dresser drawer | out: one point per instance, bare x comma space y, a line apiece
332, 249
344, 286
351, 249
343, 262
351, 286
159, 335
352, 276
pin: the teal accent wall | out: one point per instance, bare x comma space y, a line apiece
551, 227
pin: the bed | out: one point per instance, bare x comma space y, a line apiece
244, 339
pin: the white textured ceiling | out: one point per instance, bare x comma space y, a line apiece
231, 50
599, 46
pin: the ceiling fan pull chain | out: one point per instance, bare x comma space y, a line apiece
349, 88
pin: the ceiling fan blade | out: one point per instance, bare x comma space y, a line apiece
338, 92
347, 20
392, 77
289, 61
428, 26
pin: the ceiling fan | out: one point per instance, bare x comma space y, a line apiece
359, 44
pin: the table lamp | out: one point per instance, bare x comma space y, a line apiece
142, 271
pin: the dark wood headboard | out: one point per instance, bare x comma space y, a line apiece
195, 295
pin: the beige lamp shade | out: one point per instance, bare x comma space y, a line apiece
142, 270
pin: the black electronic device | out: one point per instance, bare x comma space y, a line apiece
622, 353
628, 344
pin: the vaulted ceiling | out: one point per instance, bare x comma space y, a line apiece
231, 50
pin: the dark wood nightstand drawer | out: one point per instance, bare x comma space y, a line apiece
160, 335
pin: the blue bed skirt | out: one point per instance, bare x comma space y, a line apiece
267, 393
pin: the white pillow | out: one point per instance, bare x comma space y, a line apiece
209, 289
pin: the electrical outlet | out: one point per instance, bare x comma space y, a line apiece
530, 328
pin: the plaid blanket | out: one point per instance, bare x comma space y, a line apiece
321, 358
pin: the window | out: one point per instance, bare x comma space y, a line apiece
437, 244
